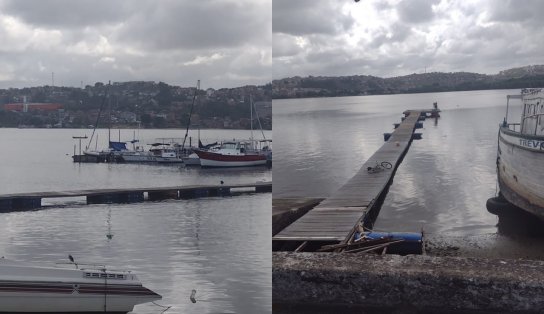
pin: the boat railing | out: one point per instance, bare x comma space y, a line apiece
93, 267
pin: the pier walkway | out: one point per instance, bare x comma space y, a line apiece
335, 218
29, 201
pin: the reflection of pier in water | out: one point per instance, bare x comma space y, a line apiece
335, 219
33, 200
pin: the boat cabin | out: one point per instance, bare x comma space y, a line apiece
532, 117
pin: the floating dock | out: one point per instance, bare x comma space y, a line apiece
334, 219
30, 201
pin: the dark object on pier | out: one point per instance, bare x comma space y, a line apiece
386, 136
402, 243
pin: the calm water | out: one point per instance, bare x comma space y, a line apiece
442, 184
40, 160
218, 246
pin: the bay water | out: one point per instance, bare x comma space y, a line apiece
219, 246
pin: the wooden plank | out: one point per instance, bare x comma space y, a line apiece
53, 194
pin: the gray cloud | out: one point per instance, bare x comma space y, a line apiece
197, 25
389, 38
225, 43
304, 17
63, 13
415, 11
527, 12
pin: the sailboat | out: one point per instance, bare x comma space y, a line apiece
113, 152
166, 150
244, 153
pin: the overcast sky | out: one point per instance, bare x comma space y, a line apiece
390, 37
224, 43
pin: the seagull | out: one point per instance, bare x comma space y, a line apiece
222, 182
192, 297
72, 259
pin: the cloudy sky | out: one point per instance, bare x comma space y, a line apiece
224, 43
398, 37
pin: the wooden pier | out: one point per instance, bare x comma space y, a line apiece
334, 219
30, 201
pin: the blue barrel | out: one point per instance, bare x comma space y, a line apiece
412, 244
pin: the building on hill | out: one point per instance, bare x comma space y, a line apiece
26, 107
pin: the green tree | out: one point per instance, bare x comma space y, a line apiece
159, 122
146, 119
164, 97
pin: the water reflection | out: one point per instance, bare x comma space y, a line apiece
445, 179
218, 246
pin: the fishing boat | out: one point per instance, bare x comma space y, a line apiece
520, 156
232, 154
30, 288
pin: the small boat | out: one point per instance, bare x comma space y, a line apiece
30, 288
520, 155
158, 153
239, 153
232, 154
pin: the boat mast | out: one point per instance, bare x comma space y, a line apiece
109, 124
98, 116
259, 120
251, 119
190, 114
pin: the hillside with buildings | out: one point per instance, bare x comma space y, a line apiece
327, 86
141, 103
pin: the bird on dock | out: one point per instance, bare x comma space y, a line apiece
222, 182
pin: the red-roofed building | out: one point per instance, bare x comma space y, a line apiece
25, 107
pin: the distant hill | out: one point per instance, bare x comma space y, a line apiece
329, 86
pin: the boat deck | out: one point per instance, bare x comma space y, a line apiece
334, 218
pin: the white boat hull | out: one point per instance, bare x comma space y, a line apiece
218, 163
138, 158
520, 167
27, 288
72, 303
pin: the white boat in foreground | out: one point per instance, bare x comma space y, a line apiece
30, 288
520, 156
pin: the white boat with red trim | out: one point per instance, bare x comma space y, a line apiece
30, 288
232, 154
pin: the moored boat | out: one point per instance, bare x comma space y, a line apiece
30, 288
520, 156
231, 154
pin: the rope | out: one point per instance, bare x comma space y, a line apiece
166, 308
